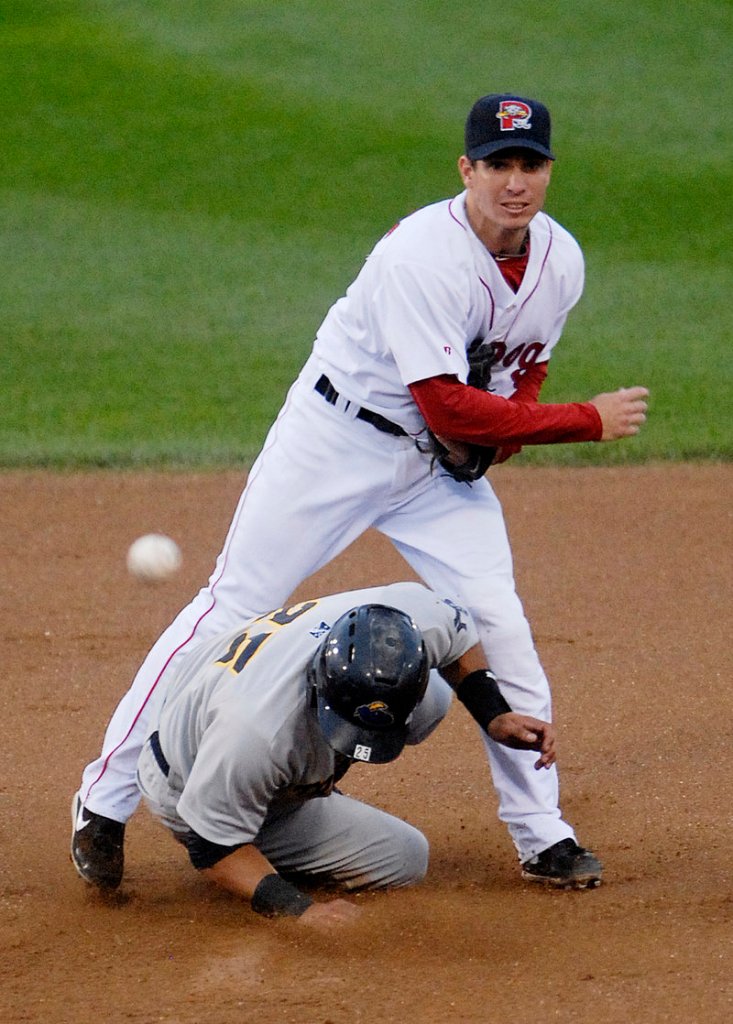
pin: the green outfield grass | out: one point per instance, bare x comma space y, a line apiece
186, 187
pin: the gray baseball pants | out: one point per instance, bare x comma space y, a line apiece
333, 839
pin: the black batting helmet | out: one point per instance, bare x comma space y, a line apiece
368, 674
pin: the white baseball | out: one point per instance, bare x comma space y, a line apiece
153, 558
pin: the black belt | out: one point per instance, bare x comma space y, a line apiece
325, 387
159, 755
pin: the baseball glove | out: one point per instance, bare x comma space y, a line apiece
464, 462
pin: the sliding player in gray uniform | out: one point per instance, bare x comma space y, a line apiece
258, 725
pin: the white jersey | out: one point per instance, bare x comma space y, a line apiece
234, 721
429, 293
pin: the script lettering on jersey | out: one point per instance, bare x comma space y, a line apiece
484, 356
246, 644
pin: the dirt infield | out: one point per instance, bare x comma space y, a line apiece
626, 576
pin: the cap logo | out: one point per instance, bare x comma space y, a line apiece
514, 114
377, 713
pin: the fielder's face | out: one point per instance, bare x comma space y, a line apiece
505, 191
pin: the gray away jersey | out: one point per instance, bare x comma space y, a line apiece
234, 721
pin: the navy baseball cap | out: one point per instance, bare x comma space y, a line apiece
507, 121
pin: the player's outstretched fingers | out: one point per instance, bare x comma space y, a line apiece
327, 916
523, 732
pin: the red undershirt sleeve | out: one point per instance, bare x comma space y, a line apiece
463, 413
528, 389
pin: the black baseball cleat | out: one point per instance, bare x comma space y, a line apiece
97, 846
564, 865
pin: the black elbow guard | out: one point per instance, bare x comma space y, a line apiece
480, 694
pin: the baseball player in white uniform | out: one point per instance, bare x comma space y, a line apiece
256, 727
425, 371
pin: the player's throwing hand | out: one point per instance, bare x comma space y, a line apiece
622, 412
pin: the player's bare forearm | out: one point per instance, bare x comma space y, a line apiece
473, 660
510, 728
622, 412
243, 870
